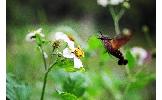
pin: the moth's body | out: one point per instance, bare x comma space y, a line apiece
112, 47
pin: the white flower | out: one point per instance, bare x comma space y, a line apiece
70, 51
30, 36
115, 2
104, 3
64, 37
140, 53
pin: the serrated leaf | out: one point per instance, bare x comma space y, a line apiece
15, 90
74, 86
68, 96
72, 69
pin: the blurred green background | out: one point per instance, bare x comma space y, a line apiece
103, 78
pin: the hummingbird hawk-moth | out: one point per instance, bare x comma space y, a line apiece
112, 46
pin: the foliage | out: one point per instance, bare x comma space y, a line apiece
15, 90
100, 77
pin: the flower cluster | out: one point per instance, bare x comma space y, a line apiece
141, 54
104, 3
76, 53
70, 51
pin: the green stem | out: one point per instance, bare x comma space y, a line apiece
116, 17
121, 13
45, 80
44, 59
117, 29
129, 82
44, 85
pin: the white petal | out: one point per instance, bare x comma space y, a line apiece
29, 37
77, 62
68, 53
64, 37
102, 2
71, 45
115, 2
38, 30
142, 53
60, 36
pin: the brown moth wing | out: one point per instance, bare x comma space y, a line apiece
118, 42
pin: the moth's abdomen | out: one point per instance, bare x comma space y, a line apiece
117, 54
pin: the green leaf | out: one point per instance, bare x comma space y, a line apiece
68, 65
131, 59
74, 85
104, 57
68, 96
143, 79
15, 90
65, 63
39, 40
94, 42
72, 69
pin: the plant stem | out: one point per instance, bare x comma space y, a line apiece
121, 13
44, 59
129, 82
45, 80
117, 29
44, 85
116, 17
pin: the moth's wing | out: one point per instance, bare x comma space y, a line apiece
119, 41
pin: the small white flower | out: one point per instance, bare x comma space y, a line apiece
126, 31
104, 3
64, 37
115, 2
70, 51
140, 53
29, 36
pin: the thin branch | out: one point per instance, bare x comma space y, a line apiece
45, 80
44, 59
115, 19
112, 12
121, 13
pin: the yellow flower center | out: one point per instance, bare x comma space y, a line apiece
79, 52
